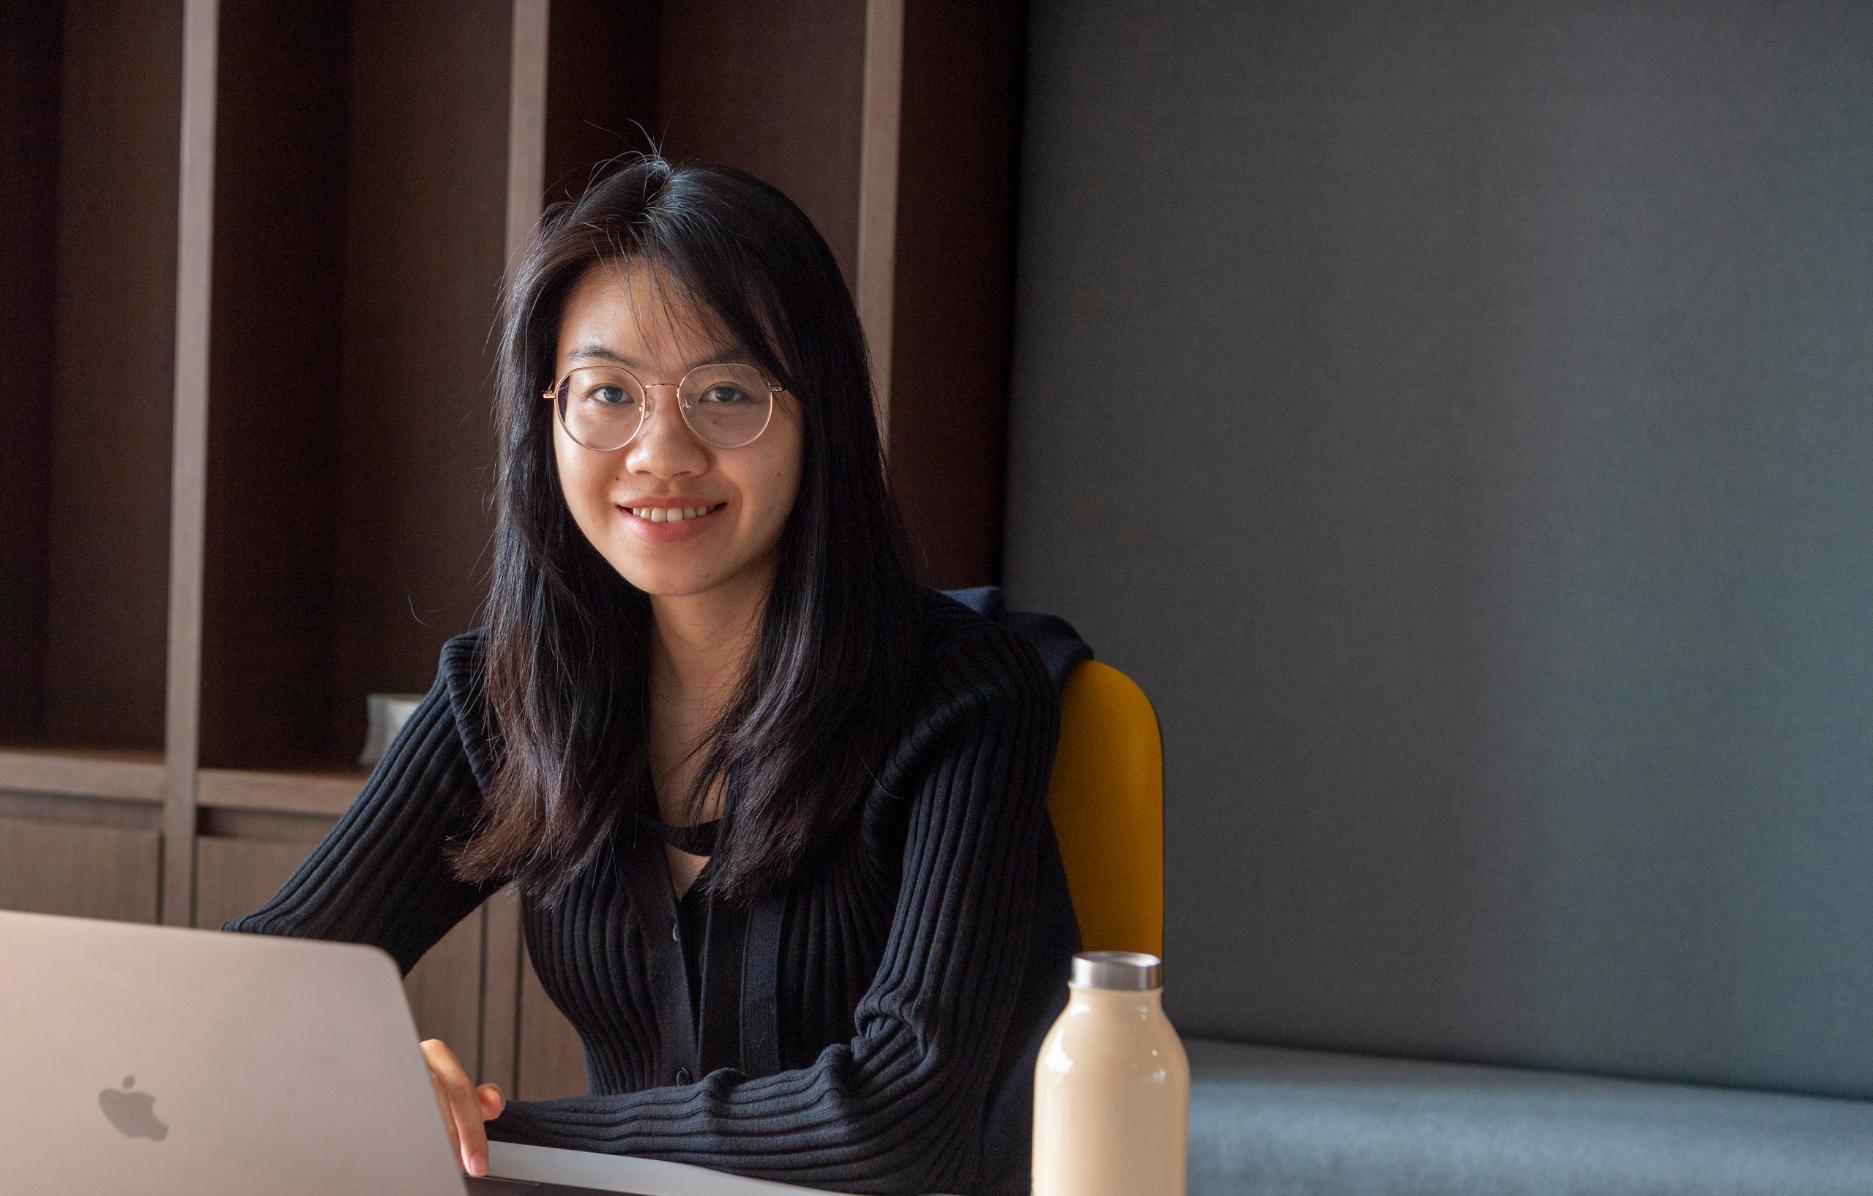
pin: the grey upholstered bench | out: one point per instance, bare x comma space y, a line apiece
1266, 1120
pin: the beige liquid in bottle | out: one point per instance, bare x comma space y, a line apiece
1112, 1086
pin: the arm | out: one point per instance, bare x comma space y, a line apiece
378, 876
900, 1107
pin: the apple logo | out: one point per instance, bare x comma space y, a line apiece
132, 1112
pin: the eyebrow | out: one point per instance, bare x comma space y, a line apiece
715, 356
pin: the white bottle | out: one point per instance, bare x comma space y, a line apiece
1112, 1085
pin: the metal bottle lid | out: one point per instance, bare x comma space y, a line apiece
1131, 971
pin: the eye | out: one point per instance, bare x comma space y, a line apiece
608, 396
723, 394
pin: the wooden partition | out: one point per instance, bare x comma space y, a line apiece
251, 262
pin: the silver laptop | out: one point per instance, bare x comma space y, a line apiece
177, 1062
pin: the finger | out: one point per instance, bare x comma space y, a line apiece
472, 1140
448, 1114
492, 1102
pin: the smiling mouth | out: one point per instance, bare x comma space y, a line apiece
671, 514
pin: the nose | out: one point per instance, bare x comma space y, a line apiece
664, 446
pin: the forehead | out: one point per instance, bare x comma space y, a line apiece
639, 311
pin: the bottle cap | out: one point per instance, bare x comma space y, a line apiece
1131, 971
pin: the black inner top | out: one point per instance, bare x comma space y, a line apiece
698, 839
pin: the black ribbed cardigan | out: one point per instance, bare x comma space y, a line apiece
871, 1026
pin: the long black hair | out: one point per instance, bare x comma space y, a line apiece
567, 641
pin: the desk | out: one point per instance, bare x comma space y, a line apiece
511, 1160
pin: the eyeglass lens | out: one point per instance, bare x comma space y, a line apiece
727, 405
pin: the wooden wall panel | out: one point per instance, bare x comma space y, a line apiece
771, 86
29, 123
274, 374
83, 871
108, 567
425, 230
601, 76
776, 88
235, 877
952, 305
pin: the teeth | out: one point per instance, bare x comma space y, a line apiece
668, 514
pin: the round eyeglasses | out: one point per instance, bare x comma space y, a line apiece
603, 407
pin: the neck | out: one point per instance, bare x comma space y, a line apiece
703, 644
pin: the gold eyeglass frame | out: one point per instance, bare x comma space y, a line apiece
555, 395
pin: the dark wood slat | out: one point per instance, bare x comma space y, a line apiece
953, 282
796, 119
107, 566
600, 76
29, 124
275, 368
424, 247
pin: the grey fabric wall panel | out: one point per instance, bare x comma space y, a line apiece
1457, 417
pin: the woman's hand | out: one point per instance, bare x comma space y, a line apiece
464, 1106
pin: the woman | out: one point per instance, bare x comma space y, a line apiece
775, 812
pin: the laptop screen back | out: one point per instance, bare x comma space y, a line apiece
164, 1060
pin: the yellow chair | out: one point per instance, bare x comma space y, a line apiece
1106, 799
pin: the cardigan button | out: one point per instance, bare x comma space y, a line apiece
673, 934
682, 1075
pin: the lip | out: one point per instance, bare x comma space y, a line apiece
666, 533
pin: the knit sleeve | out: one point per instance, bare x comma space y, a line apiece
379, 876
901, 1106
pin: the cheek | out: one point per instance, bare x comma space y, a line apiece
782, 479
582, 479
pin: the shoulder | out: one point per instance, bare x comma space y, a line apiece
461, 675
975, 734
973, 678
462, 654
968, 655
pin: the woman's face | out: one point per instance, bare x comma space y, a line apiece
729, 552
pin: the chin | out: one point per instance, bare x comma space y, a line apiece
666, 583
